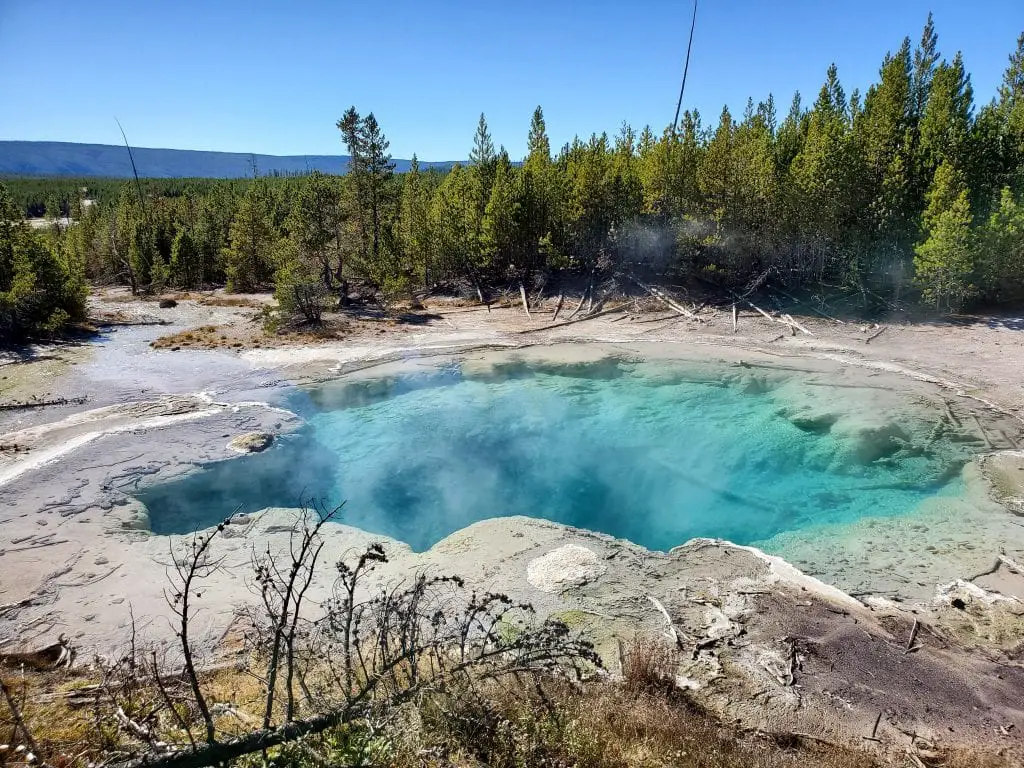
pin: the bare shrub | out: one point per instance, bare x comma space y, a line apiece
648, 663
330, 680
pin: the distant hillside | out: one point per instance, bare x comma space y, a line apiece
60, 158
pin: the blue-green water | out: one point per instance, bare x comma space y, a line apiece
654, 459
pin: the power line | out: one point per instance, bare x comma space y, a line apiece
686, 68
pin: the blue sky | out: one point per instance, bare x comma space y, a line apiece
274, 77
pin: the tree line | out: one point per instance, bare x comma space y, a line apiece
906, 191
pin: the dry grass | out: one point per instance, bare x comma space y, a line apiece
602, 725
230, 301
203, 337
606, 725
59, 727
211, 337
648, 663
597, 725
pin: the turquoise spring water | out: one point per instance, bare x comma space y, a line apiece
654, 459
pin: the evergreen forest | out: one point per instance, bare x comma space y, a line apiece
909, 193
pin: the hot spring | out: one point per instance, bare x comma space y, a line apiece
655, 451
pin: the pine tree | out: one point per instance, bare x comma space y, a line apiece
186, 261
249, 261
482, 156
12, 229
213, 222
792, 134
502, 232
142, 253
457, 227
884, 132
379, 170
299, 284
1010, 109
946, 120
1001, 252
38, 293
538, 146
590, 204
926, 57
370, 174
159, 272
756, 201
542, 198
715, 172
314, 225
944, 261
133, 243
356, 181
417, 241
627, 189
668, 169
823, 174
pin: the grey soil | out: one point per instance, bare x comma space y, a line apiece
761, 641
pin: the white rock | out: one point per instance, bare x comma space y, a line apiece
251, 442
567, 566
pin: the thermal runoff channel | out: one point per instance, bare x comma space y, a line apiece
648, 452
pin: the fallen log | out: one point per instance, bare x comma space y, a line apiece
876, 334
53, 656
1012, 564
558, 307
667, 322
25, 405
218, 753
671, 316
793, 325
461, 310
913, 637
577, 320
540, 292
664, 299
668, 620
988, 441
756, 308
953, 420
786, 320
809, 306
579, 306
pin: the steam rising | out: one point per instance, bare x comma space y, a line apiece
654, 454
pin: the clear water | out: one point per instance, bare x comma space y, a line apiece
654, 459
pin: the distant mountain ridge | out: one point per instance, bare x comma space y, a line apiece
64, 158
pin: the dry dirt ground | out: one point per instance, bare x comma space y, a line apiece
927, 668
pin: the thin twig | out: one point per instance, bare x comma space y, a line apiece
18, 719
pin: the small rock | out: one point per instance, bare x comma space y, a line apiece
253, 442
101, 560
168, 303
